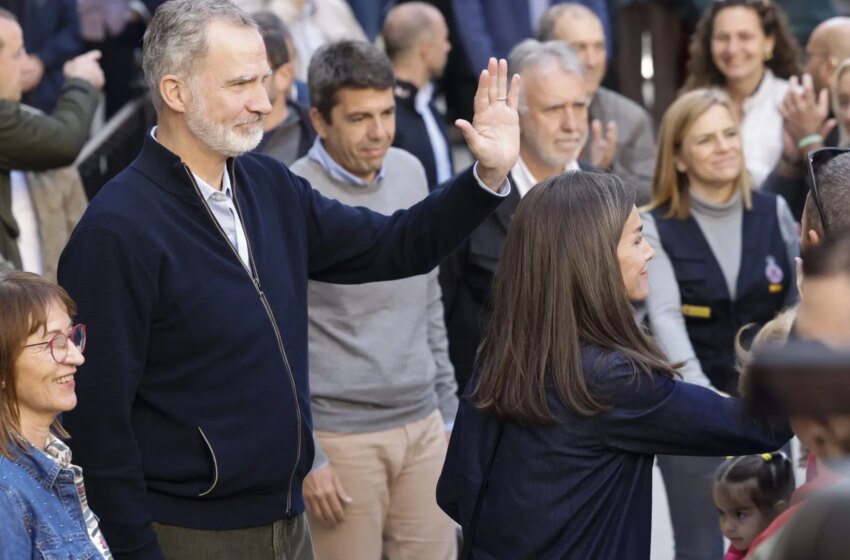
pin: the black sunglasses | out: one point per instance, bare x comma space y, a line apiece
814, 162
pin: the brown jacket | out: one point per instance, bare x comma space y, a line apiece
59, 201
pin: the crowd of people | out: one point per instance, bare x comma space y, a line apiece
295, 327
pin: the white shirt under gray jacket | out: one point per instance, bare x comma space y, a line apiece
378, 352
721, 224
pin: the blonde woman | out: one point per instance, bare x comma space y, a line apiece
724, 258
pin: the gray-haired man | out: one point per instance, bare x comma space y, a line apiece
190, 269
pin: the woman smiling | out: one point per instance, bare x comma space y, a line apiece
746, 47
42, 498
724, 259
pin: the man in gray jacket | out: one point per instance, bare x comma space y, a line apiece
621, 139
383, 388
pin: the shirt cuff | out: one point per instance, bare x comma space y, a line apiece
321, 465
450, 426
503, 191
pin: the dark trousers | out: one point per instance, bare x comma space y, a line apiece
696, 525
281, 540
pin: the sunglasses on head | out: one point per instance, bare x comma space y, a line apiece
814, 162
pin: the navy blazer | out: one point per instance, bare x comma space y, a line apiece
493, 27
582, 487
51, 32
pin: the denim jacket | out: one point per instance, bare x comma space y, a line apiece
40, 510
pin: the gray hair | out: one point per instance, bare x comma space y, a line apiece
531, 53
550, 18
177, 37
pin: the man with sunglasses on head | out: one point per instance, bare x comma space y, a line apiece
827, 207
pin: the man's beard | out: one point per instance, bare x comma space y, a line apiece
221, 138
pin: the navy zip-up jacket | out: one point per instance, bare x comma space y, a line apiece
582, 487
193, 402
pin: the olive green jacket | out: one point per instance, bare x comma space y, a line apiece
31, 141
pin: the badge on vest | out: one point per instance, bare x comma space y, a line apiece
773, 273
698, 311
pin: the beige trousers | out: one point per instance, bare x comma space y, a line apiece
391, 477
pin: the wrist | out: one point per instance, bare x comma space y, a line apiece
808, 141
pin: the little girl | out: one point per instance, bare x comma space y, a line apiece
749, 492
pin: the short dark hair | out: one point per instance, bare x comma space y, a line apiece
830, 258
767, 478
275, 35
834, 190
346, 64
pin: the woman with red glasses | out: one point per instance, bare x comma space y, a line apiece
43, 503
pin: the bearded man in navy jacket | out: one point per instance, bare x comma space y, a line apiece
190, 269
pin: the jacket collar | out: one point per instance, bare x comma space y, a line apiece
167, 170
42, 468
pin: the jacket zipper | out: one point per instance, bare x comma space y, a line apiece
255, 280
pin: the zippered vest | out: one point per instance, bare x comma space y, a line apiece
711, 317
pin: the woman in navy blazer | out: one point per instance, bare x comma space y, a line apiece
553, 445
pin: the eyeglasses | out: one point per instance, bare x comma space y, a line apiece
816, 160
58, 345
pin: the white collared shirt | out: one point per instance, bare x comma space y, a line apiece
524, 180
224, 211
29, 239
438, 142
761, 127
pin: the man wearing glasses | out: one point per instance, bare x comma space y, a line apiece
190, 270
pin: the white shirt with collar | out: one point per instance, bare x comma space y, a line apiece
29, 238
761, 127
422, 104
524, 180
220, 203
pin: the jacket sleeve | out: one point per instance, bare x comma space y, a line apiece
475, 38
116, 295
348, 245
446, 385
635, 160
65, 42
15, 541
664, 306
34, 142
656, 414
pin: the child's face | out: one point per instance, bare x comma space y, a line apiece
740, 520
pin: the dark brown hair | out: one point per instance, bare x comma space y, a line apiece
558, 287
767, 479
24, 302
787, 55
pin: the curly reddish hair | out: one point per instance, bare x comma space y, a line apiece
787, 57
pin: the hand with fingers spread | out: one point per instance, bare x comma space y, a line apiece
493, 135
805, 116
603, 144
325, 496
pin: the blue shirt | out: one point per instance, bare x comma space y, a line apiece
40, 510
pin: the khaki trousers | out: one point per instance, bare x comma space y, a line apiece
391, 477
278, 541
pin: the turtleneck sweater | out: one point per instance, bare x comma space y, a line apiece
722, 225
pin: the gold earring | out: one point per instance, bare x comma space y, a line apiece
767, 56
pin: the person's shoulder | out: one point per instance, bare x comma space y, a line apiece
615, 104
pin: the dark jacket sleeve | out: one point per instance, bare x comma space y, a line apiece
31, 141
355, 245
64, 42
115, 295
792, 189
656, 414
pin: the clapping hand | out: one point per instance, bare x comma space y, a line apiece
603, 144
493, 135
